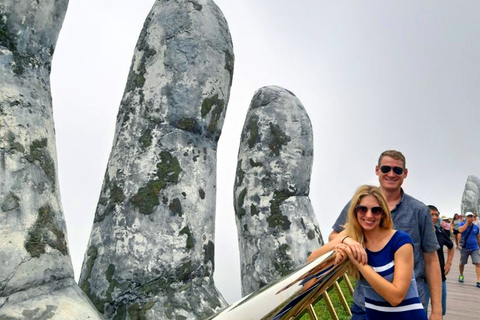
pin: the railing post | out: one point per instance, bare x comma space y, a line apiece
349, 284
311, 312
342, 298
330, 307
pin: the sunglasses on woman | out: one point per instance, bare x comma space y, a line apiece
376, 211
396, 170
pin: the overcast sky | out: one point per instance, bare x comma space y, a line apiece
372, 75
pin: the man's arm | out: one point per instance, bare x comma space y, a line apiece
463, 227
434, 281
448, 263
339, 223
333, 235
451, 252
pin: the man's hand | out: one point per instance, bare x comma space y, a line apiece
447, 268
358, 251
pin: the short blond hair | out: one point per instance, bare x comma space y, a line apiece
397, 155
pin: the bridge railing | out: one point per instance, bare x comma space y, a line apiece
292, 296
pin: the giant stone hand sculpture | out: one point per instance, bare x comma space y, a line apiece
151, 250
36, 274
471, 195
276, 225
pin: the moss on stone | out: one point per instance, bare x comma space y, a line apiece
240, 174
92, 255
146, 139
229, 64
147, 197
253, 210
138, 311
109, 276
39, 152
103, 201
184, 272
284, 263
176, 207
11, 202
116, 193
216, 115
168, 171
190, 241
188, 124
115, 196
215, 106
21, 62
5, 39
278, 139
121, 313
14, 145
240, 211
207, 105
155, 286
40, 234
252, 129
254, 164
209, 253
276, 219
136, 79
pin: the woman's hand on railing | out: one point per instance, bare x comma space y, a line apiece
341, 253
358, 251
344, 252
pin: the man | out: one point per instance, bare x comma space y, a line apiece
443, 239
471, 238
411, 216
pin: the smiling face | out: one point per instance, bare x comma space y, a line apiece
390, 181
368, 221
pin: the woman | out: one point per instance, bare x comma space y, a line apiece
390, 287
445, 224
454, 227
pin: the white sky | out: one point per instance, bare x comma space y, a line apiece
373, 75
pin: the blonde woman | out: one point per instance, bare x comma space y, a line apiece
389, 281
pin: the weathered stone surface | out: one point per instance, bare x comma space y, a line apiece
275, 220
471, 195
36, 274
151, 250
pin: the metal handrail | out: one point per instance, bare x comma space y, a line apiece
290, 297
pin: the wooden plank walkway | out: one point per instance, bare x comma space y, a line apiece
463, 299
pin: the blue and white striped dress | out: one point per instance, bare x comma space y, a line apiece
383, 263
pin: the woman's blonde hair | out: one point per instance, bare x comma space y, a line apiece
353, 228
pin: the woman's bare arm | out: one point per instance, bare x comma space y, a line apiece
394, 292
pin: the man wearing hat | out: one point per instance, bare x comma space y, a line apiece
471, 239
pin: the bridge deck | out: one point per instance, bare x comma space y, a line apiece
463, 299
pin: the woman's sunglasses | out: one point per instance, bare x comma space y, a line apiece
376, 211
396, 170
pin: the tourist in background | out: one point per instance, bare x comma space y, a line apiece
454, 225
471, 238
445, 224
443, 240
